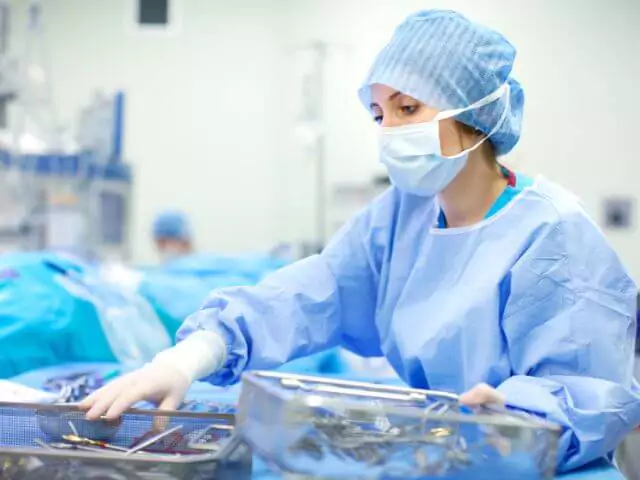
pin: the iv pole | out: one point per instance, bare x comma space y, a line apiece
311, 120
321, 181
4, 48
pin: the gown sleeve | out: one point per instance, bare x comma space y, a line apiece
570, 325
315, 304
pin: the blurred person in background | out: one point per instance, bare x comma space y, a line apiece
172, 235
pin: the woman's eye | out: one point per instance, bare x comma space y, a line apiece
409, 109
377, 119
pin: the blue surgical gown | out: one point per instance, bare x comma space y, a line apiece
532, 301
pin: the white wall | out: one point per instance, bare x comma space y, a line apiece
211, 108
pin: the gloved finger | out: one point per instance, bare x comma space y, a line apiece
89, 400
124, 400
482, 394
171, 403
94, 397
102, 403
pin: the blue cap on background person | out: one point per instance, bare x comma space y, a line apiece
172, 234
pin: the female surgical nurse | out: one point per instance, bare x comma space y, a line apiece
467, 277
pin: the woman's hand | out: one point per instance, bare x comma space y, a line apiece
482, 394
162, 384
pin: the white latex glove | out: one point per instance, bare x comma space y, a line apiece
164, 381
163, 385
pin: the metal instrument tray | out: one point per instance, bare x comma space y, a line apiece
32, 437
341, 429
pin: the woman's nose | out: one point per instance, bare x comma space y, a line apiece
391, 121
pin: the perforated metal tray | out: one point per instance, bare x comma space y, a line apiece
28, 430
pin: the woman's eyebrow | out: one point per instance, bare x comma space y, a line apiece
391, 97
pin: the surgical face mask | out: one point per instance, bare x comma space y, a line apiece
413, 154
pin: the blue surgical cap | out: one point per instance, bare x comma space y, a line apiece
172, 224
447, 62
